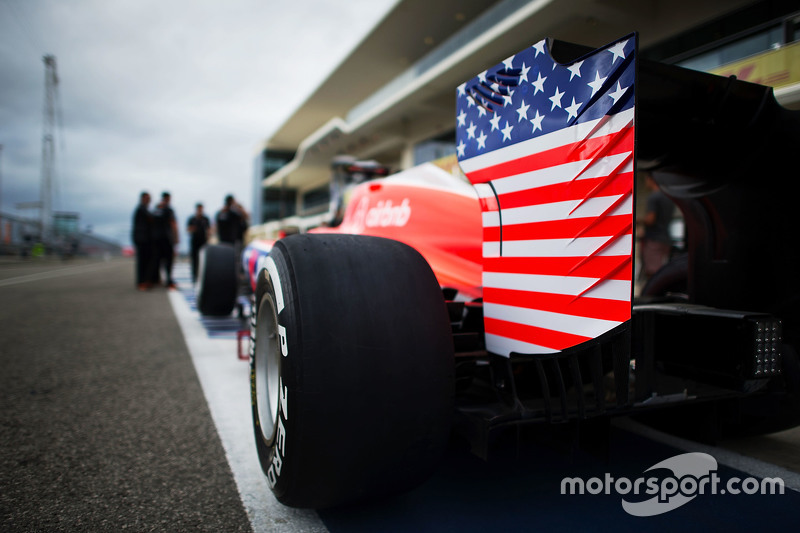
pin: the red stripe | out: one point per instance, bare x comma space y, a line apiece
596, 267
489, 204
562, 192
560, 303
554, 340
491, 234
566, 229
607, 213
625, 231
251, 267
608, 179
579, 151
621, 138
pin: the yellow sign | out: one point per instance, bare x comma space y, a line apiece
775, 68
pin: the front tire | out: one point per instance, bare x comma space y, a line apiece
351, 369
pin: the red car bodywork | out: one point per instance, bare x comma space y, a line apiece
425, 207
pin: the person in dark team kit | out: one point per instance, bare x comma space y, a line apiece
656, 241
197, 227
166, 237
142, 237
231, 222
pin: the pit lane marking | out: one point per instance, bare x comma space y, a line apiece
226, 386
67, 271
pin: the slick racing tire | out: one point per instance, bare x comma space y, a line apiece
216, 280
351, 370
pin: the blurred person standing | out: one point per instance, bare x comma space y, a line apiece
231, 222
197, 227
656, 240
142, 237
166, 237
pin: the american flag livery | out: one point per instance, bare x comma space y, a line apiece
549, 148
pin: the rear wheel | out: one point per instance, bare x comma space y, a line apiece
217, 280
351, 369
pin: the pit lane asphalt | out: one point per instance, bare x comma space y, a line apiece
103, 423
103, 427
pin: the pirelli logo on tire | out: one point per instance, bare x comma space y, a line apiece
279, 445
279, 441
271, 270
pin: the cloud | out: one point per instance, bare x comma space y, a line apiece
160, 94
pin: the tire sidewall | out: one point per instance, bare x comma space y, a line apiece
275, 453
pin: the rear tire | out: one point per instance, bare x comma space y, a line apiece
217, 280
351, 369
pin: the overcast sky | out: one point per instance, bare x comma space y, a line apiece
159, 95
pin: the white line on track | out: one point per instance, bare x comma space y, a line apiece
56, 273
226, 384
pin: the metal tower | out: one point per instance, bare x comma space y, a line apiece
48, 146
1, 178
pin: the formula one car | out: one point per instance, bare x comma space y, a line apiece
436, 306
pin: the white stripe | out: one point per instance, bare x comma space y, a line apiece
592, 208
491, 249
261, 246
611, 289
490, 219
563, 173
484, 190
575, 325
583, 247
555, 139
504, 346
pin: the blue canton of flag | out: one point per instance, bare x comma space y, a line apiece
529, 95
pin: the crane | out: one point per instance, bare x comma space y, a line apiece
48, 147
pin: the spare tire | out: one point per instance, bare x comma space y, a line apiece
217, 280
351, 370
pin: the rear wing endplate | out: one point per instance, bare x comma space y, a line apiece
550, 149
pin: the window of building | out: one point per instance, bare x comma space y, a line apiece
267, 203
436, 148
758, 27
745, 47
316, 200
275, 159
279, 203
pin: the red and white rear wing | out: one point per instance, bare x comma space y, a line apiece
550, 149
